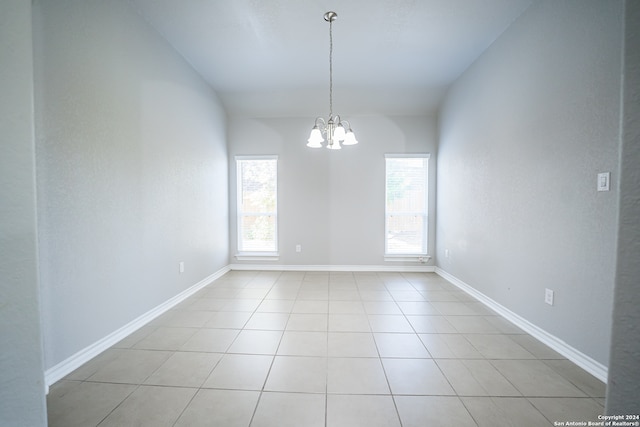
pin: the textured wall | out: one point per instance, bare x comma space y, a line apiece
624, 374
523, 134
21, 371
131, 171
332, 202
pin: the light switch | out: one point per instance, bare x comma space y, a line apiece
548, 296
603, 181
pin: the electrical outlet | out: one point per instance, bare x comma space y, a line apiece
181, 267
548, 296
298, 248
446, 253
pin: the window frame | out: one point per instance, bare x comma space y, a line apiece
423, 254
245, 255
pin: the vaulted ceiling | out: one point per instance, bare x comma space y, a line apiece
269, 58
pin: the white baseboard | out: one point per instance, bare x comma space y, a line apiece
72, 363
357, 268
595, 368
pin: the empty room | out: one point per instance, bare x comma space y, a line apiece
303, 213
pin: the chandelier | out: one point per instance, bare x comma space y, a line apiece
335, 129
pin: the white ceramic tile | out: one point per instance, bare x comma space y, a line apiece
131, 366
503, 325
352, 344
228, 320
534, 378
436, 411
452, 308
283, 293
561, 409
361, 411
401, 285
242, 305
411, 295
219, 293
449, 346
535, 347
268, 321
356, 376
476, 378
165, 338
438, 295
290, 410
151, 406
210, 340
80, 404
472, 325
240, 372
373, 295
190, 318
344, 294
185, 369
228, 408
504, 412
307, 322
417, 308
252, 293
298, 374
310, 306
256, 342
313, 294
416, 377
498, 347
479, 309
349, 323
301, 343
381, 307
579, 377
92, 366
276, 306
209, 304
431, 325
346, 307
400, 345
389, 323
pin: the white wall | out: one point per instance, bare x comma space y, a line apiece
332, 202
131, 171
624, 375
22, 388
523, 134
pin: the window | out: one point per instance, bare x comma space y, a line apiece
257, 204
406, 204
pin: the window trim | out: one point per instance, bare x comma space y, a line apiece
422, 256
254, 255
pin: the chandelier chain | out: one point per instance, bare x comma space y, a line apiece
330, 69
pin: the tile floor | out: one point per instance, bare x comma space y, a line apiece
279, 349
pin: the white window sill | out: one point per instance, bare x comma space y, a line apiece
258, 256
407, 258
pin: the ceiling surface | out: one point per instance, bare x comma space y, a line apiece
270, 58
